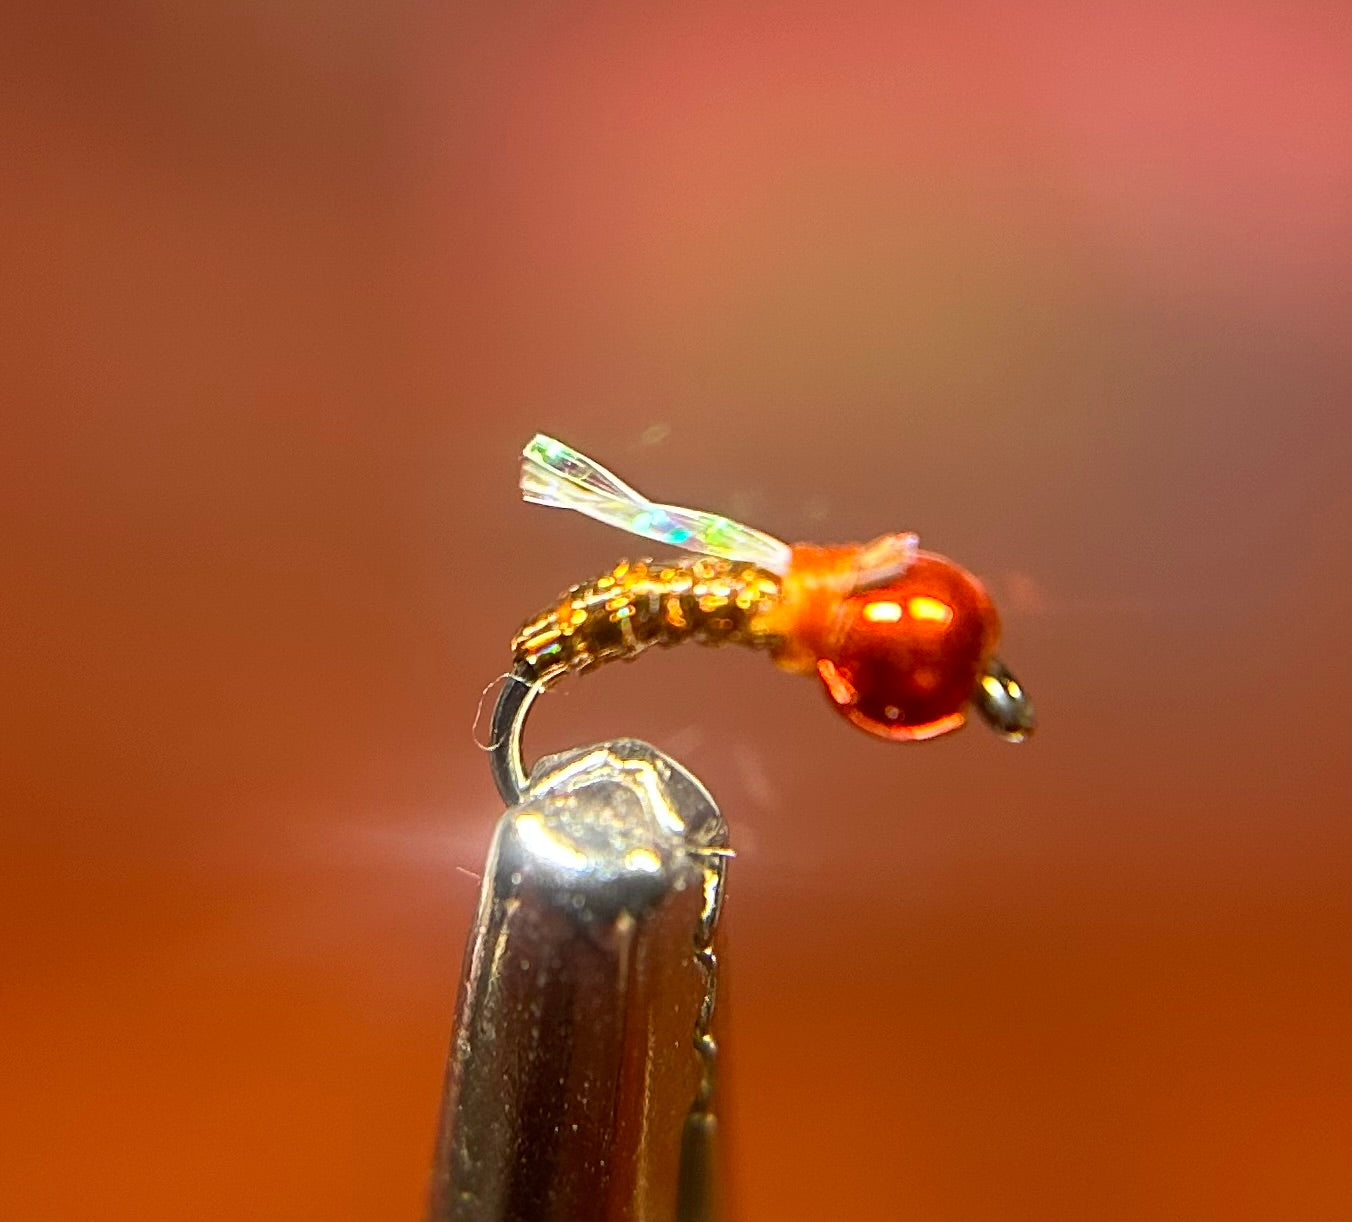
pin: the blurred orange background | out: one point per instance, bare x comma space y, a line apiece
1063, 288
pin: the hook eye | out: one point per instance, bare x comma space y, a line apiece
1003, 703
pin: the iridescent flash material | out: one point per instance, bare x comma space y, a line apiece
555, 474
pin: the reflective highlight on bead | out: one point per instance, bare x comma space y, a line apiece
901, 660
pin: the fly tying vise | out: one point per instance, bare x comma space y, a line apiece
903, 640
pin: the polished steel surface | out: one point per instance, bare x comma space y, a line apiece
509, 721
1004, 704
580, 1080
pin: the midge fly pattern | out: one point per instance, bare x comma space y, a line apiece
902, 640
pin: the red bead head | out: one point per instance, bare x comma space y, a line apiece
901, 660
